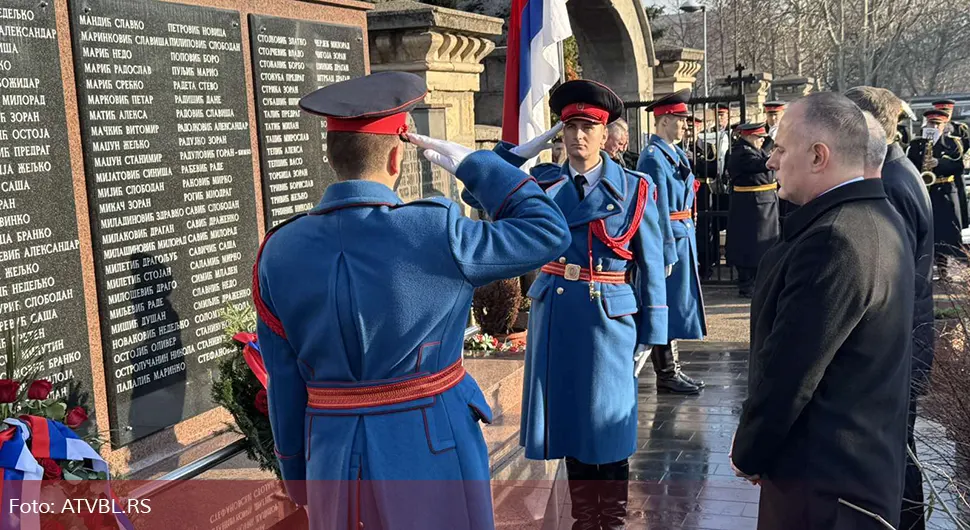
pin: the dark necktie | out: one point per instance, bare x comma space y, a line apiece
579, 181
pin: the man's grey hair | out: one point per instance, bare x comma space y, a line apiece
833, 119
618, 128
876, 152
884, 105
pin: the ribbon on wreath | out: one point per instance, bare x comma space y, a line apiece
56, 441
252, 355
22, 476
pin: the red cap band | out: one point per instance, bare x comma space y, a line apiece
673, 108
944, 106
937, 119
722, 111
585, 111
759, 130
393, 124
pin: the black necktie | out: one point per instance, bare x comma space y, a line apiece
580, 181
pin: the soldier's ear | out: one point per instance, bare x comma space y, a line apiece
395, 159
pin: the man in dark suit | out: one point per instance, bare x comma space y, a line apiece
823, 429
907, 193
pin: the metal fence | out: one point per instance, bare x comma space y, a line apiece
708, 147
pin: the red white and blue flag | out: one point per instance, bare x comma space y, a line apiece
536, 27
21, 476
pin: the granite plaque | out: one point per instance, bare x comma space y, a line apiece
164, 123
420, 179
41, 289
292, 58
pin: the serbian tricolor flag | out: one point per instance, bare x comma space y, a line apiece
21, 476
536, 27
54, 440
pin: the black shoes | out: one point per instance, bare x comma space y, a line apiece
676, 385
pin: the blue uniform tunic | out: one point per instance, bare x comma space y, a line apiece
669, 164
580, 394
370, 291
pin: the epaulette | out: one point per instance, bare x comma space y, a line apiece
637, 173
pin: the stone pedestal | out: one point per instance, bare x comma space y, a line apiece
445, 46
755, 88
792, 88
677, 69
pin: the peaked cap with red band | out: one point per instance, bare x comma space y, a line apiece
752, 129
672, 104
582, 99
945, 104
937, 116
774, 106
723, 109
373, 104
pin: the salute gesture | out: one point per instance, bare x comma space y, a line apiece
538, 144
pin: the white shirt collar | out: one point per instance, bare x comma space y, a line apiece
857, 179
592, 176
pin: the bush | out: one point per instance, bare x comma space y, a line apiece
496, 305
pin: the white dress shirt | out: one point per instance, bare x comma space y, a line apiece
857, 179
592, 176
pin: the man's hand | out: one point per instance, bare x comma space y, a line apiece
753, 479
640, 356
934, 162
538, 144
668, 270
448, 155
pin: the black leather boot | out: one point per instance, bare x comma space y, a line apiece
613, 495
676, 354
668, 379
583, 484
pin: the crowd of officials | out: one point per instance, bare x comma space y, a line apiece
362, 304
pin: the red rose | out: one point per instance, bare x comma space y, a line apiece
39, 389
75, 417
52, 471
8, 390
262, 402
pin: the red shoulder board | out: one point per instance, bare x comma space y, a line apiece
616, 244
262, 311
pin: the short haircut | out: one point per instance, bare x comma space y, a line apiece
834, 117
881, 103
354, 155
876, 153
619, 126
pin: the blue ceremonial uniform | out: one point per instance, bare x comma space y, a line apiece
362, 307
669, 164
580, 396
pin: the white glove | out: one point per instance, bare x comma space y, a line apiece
448, 155
538, 144
640, 356
668, 270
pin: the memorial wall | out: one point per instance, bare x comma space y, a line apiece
145, 147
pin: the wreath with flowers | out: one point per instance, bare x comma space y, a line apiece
240, 387
36, 407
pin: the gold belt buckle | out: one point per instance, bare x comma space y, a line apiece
572, 272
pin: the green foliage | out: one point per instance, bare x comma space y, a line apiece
236, 387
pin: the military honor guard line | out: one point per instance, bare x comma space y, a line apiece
362, 302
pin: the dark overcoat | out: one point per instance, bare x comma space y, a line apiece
753, 216
909, 196
824, 423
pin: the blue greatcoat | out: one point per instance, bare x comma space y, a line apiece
370, 291
580, 394
669, 165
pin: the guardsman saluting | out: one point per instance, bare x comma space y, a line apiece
362, 305
667, 162
947, 194
753, 225
594, 308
